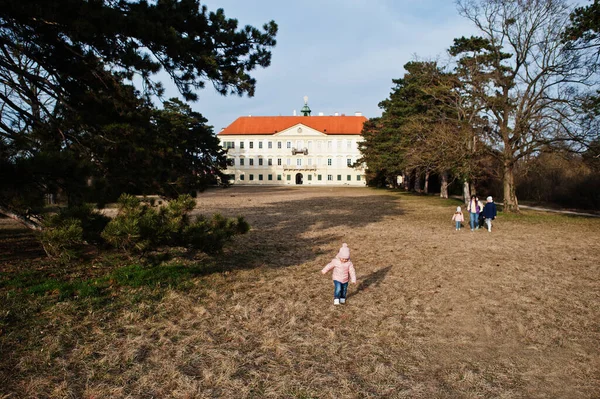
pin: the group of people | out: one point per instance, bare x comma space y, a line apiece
343, 269
479, 214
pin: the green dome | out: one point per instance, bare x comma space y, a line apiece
305, 110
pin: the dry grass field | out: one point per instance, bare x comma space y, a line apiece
436, 313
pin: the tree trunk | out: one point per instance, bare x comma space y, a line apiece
466, 192
417, 186
406, 181
444, 186
426, 187
473, 190
21, 219
510, 197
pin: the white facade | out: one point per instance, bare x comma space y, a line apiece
297, 155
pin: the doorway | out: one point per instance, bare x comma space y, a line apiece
298, 178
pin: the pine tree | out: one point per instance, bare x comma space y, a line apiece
71, 121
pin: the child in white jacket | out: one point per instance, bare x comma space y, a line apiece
343, 270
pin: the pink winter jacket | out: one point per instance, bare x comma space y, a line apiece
341, 270
458, 217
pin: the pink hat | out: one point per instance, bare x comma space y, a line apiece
344, 252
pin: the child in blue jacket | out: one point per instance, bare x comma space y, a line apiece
489, 213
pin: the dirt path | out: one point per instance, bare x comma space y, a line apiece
561, 211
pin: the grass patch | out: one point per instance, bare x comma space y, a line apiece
155, 276
134, 276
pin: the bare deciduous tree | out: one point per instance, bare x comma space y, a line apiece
524, 77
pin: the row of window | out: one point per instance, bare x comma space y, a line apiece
320, 144
289, 177
309, 162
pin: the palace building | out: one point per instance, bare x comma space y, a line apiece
294, 150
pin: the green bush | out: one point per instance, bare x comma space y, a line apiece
210, 235
139, 228
92, 222
62, 238
135, 228
64, 233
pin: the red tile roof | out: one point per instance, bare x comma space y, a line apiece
275, 124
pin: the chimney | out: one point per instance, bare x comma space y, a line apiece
294, 113
358, 114
336, 114
320, 114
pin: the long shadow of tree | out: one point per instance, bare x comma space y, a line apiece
288, 231
292, 232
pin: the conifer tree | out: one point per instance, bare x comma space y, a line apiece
70, 119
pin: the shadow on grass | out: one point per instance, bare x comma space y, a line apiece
284, 233
17, 242
288, 233
372, 280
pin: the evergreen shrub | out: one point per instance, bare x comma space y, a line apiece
139, 228
62, 237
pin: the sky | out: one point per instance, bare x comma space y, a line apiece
342, 54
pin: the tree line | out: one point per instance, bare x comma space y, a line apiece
524, 87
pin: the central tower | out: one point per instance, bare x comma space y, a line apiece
305, 110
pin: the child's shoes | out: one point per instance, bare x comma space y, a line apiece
342, 300
336, 301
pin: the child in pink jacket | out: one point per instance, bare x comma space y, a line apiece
343, 270
458, 217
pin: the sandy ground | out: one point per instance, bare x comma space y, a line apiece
436, 313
